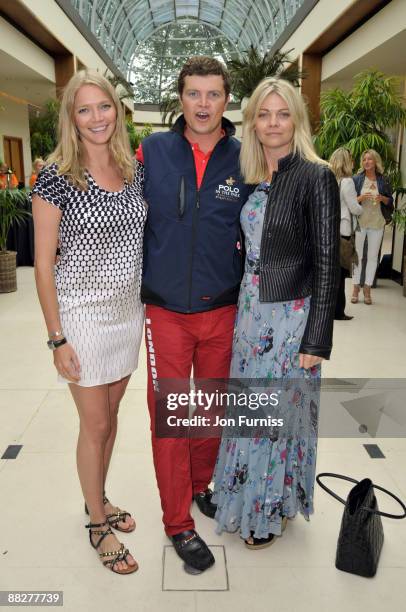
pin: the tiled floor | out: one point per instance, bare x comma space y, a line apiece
43, 544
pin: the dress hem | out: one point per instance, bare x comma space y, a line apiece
220, 529
107, 381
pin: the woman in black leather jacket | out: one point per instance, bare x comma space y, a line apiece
285, 314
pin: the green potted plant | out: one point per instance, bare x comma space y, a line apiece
43, 129
12, 210
249, 70
137, 135
359, 119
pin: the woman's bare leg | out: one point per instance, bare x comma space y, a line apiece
93, 408
116, 391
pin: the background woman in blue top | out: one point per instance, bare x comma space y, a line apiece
373, 190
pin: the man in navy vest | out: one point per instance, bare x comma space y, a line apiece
191, 279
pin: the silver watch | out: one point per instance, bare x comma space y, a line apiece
56, 335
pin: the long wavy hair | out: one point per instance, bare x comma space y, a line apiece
341, 163
253, 162
68, 154
377, 159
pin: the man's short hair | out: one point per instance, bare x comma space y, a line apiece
202, 65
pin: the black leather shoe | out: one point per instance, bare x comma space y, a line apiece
204, 502
192, 550
343, 318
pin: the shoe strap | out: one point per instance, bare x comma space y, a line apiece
121, 552
91, 525
117, 517
99, 532
121, 555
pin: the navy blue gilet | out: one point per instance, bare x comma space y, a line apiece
192, 262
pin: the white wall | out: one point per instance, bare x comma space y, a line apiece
318, 21
386, 24
14, 122
54, 19
22, 49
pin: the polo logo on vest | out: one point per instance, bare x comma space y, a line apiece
227, 191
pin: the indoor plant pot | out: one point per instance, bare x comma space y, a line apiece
12, 210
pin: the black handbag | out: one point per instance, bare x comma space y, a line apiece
361, 535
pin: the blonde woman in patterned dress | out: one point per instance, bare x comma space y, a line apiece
284, 323
90, 199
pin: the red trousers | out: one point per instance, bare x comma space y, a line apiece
175, 343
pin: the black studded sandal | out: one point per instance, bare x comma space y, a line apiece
115, 517
118, 555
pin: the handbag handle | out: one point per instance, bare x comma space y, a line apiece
329, 474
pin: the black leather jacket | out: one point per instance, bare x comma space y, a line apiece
300, 246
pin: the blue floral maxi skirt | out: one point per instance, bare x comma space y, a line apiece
257, 480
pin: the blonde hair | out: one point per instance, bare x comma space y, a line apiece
341, 163
69, 151
252, 158
377, 159
37, 160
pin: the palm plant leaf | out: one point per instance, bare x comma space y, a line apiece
170, 105
249, 70
359, 119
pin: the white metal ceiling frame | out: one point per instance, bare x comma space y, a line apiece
251, 31
141, 38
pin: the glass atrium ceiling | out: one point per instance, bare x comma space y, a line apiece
148, 40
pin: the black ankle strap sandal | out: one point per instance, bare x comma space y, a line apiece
115, 517
118, 555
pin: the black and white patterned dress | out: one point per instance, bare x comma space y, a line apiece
98, 276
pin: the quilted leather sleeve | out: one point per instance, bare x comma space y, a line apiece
324, 223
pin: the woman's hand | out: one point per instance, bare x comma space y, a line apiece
308, 361
364, 196
67, 363
381, 198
